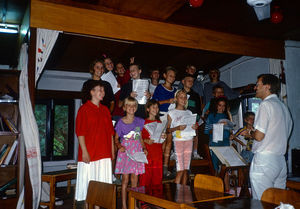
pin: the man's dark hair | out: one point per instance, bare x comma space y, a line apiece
87, 87
272, 80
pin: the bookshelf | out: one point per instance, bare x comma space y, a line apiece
9, 135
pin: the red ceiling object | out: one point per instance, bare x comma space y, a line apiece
196, 3
276, 15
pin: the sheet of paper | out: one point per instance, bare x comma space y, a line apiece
138, 157
160, 128
110, 78
155, 130
150, 127
189, 120
227, 123
228, 156
140, 86
218, 132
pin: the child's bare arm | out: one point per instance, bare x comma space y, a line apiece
177, 128
85, 154
118, 144
232, 137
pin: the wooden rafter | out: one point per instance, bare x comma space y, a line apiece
85, 21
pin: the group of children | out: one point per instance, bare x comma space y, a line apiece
98, 139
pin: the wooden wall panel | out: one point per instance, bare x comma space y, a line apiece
84, 21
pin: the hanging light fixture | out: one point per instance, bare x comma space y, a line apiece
195, 3
9, 28
4, 27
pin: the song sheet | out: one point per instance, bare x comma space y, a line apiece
189, 120
138, 157
228, 156
155, 130
218, 132
110, 78
140, 86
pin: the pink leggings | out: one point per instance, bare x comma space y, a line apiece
183, 153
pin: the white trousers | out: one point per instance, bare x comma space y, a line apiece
266, 171
97, 170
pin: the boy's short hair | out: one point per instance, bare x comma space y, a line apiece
130, 100
170, 68
186, 75
136, 64
247, 114
217, 87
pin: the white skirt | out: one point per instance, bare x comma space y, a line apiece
100, 170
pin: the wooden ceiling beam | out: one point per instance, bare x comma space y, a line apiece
84, 21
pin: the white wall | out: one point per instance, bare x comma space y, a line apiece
292, 71
62, 80
243, 71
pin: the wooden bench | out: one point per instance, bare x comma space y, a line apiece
57, 176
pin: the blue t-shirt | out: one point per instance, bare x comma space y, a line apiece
161, 93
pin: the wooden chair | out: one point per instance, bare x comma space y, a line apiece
101, 194
208, 182
276, 195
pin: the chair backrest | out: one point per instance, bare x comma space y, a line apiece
276, 195
208, 182
101, 194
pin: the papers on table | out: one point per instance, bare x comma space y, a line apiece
137, 157
228, 156
218, 132
140, 86
189, 120
155, 130
110, 78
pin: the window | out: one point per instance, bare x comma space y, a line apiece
55, 120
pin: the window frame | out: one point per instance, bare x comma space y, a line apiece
50, 114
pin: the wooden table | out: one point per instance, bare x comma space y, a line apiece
171, 195
57, 176
233, 203
293, 182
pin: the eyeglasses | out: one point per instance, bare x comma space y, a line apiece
257, 84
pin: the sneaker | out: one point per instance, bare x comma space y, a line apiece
173, 156
196, 156
117, 181
58, 202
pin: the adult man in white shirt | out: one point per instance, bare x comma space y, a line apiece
273, 126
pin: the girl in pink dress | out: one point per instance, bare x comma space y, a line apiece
129, 130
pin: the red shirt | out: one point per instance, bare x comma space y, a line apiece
94, 123
155, 149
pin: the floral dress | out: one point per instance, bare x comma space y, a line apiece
130, 135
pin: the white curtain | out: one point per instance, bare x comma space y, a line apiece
45, 40
275, 69
30, 134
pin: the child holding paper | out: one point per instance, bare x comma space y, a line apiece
153, 170
182, 145
219, 112
129, 130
